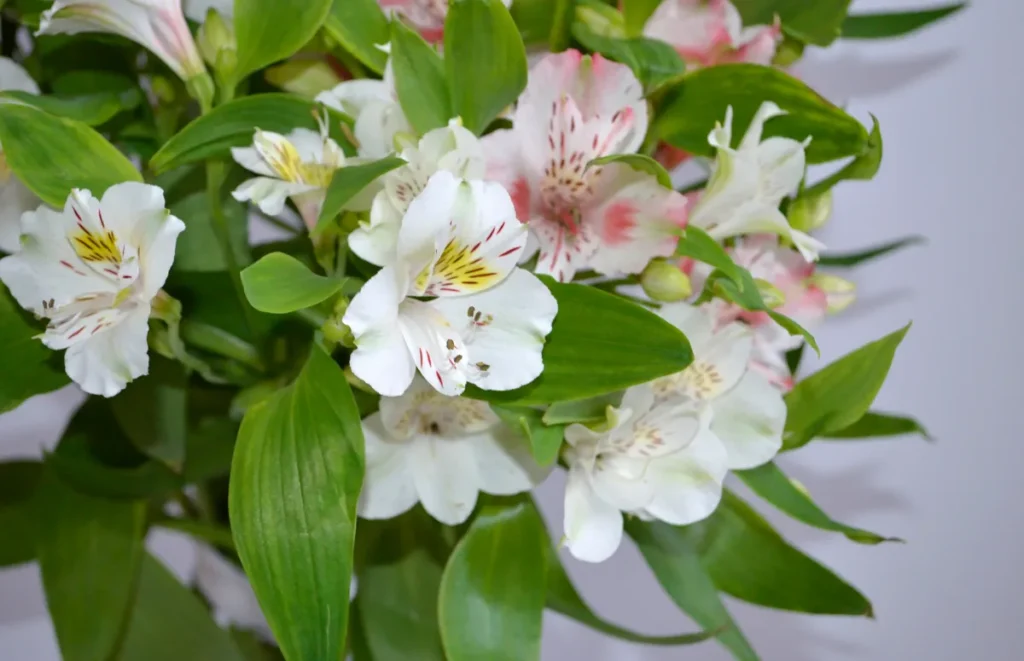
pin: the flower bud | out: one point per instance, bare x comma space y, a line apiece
334, 330
810, 213
602, 20
665, 282
217, 44
770, 294
839, 292
788, 52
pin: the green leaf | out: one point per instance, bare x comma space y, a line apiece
152, 412
545, 441
52, 155
560, 33
169, 623
862, 168
635, 13
485, 61
233, 124
91, 109
419, 80
885, 25
600, 344
295, 481
535, 19
198, 248
29, 368
816, 22
839, 395
348, 182
279, 284
360, 26
673, 555
89, 551
861, 256
640, 163
492, 592
748, 560
879, 425
584, 411
701, 99
769, 482
271, 30
18, 481
654, 62
398, 592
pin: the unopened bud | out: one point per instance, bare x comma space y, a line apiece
810, 213
770, 294
335, 331
840, 293
217, 44
665, 282
305, 77
788, 52
603, 20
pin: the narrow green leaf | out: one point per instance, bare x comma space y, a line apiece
198, 248
485, 61
654, 62
839, 395
545, 441
816, 22
91, 109
419, 80
492, 591
360, 26
535, 19
348, 182
279, 284
29, 368
232, 125
636, 13
700, 101
748, 560
769, 482
862, 168
152, 412
52, 155
885, 25
859, 257
89, 551
879, 425
18, 481
673, 555
295, 481
271, 30
169, 623
640, 163
560, 32
634, 346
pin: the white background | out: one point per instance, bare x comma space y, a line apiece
949, 102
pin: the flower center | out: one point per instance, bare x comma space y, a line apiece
700, 381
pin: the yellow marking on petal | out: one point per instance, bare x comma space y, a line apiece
122, 296
283, 158
96, 246
461, 269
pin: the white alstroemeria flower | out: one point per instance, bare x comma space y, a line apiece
659, 460
93, 271
440, 451
15, 197
749, 182
299, 166
197, 10
374, 106
459, 242
453, 149
157, 25
749, 413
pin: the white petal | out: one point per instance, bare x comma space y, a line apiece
388, 488
104, 363
14, 77
426, 227
231, 597
593, 528
504, 328
377, 241
197, 9
15, 199
376, 128
269, 194
381, 358
433, 344
752, 138
250, 159
455, 149
694, 322
749, 420
727, 354
504, 463
688, 484
352, 96
782, 162
444, 472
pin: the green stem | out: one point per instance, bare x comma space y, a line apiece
210, 533
218, 341
214, 178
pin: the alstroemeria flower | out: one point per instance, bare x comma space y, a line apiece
748, 184
426, 16
93, 271
15, 197
610, 218
452, 149
440, 451
374, 106
299, 166
710, 32
749, 414
459, 242
659, 460
157, 25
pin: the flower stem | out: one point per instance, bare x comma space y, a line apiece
208, 532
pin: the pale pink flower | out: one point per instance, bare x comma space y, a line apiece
610, 218
710, 32
427, 16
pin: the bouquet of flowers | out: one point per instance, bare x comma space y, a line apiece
492, 242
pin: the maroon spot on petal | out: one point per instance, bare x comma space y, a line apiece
509, 251
77, 332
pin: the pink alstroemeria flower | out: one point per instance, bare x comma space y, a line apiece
610, 218
427, 16
710, 32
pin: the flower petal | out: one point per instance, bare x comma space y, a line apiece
15, 199
14, 77
444, 472
503, 463
269, 194
377, 241
749, 420
104, 363
434, 345
593, 528
381, 358
688, 485
388, 488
